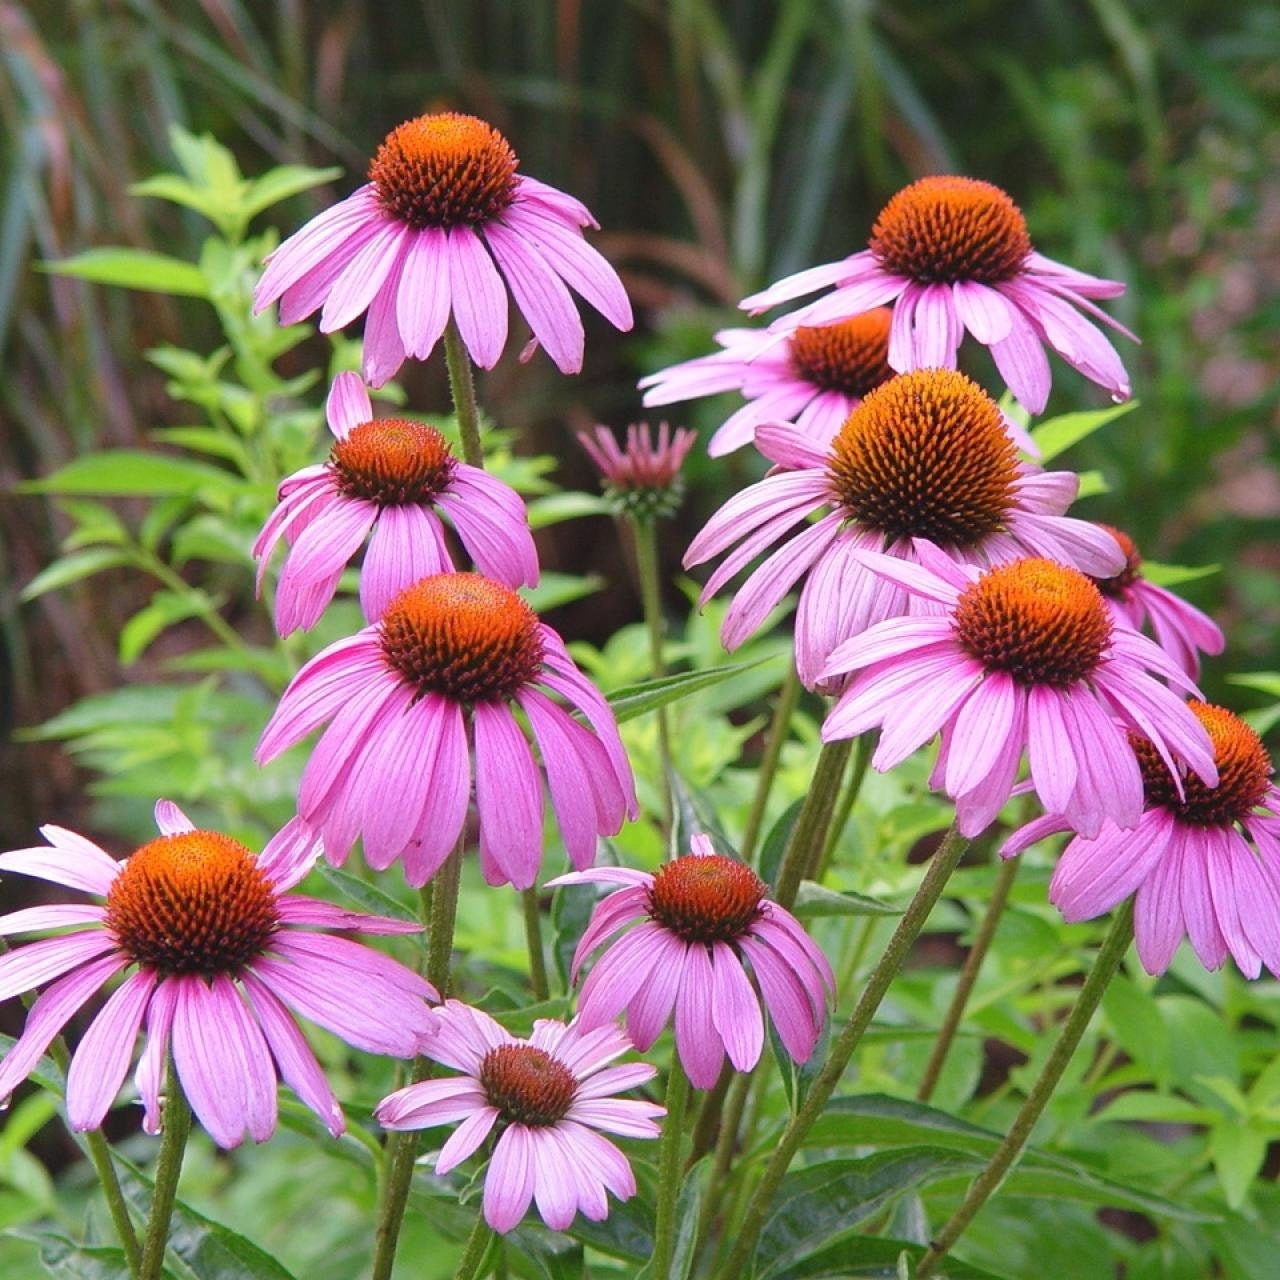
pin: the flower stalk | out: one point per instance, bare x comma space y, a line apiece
809, 836
779, 731
943, 863
1112, 952
471, 1264
670, 1173
173, 1147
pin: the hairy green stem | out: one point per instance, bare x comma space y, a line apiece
533, 937
462, 387
473, 1256
1111, 953
968, 976
176, 1119
943, 863
863, 746
726, 1146
669, 1172
100, 1154
645, 534
779, 730
810, 832
704, 1129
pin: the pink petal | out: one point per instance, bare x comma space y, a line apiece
105, 1050
508, 1186
735, 1011
479, 299
347, 404
697, 1040
422, 301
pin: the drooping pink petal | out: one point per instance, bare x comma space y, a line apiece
36, 963
508, 1186
423, 299
508, 798
464, 1140
152, 1062
479, 299
735, 1011
105, 1050
698, 1040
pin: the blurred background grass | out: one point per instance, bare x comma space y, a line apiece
720, 146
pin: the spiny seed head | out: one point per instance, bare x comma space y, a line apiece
192, 903
943, 229
1042, 622
706, 897
926, 455
850, 356
394, 462
1244, 772
444, 171
1117, 586
464, 636
527, 1085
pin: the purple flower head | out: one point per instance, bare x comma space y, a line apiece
926, 456
1023, 657
705, 918
546, 1096
217, 951
1181, 630
641, 480
953, 254
450, 658
388, 475
443, 228
813, 377
1204, 860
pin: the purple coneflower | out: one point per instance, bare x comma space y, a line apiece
1189, 858
219, 951
925, 456
1181, 630
812, 377
1023, 657
953, 254
547, 1096
705, 916
442, 222
642, 479
452, 652
387, 475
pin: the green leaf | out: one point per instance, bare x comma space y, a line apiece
1057, 435
776, 840
557, 507
166, 609
1173, 575
637, 699
813, 900
134, 472
72, 568
134, 269
280, 183
626, 1233
556, 589
62, 1256
210, 1250
177, 190
874, 1258
817, 1205
367, 897
688, 1214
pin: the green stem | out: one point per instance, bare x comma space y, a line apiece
533, 937
708, 1122
863, 746
669, 1172
943, 863
726, 1146
810, 833
100, 1154
645, 534
473, 1256
439, 905
463, 389
173, 1145
1112, 952
779, 731
968, 976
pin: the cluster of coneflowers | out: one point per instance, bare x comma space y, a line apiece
946, 593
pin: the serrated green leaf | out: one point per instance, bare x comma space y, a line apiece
134, 472
72, 568
1057, 435
133, 269
637, 699
814, 900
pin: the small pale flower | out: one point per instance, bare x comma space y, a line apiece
952, 254
925, 456
408, 698
545, 1097
1204, 860
703, 918
641, 480
217, 951
1022, 658
443, 228
1181, 630
389, 476
813, 377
